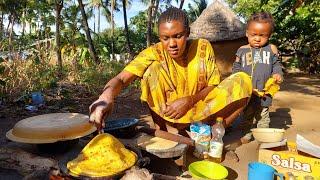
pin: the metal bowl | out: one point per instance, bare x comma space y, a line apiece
122, 128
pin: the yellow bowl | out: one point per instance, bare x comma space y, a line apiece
268, 135
207, 170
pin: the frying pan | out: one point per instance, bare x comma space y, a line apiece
121, 128
127, 128
141, 162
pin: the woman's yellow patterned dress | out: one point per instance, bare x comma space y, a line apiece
163, 80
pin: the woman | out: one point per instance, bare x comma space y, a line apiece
179, 80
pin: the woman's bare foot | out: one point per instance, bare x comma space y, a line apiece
232, 155
245, 140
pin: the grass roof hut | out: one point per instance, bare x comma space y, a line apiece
218, 24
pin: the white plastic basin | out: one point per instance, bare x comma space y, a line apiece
268, 135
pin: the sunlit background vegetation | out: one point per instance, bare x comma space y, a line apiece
55, 45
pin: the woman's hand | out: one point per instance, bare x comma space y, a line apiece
178, 108
99, 110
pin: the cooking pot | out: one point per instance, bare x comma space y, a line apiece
141, 162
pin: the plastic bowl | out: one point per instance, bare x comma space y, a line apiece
268, 135
196, 175
207, 170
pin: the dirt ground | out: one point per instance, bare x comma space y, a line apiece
295, 108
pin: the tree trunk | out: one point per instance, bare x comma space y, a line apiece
59, 5
94, 20
1, 26
154, 13
149, 27
126, 28
181, 4
112, 28
99, 8
30, 28
23, 22
24, 14
11, 23
87, 30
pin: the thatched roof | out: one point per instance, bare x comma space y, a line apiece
217, 23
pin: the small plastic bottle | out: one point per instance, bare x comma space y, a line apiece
216, 143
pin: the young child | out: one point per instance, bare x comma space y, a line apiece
259, 59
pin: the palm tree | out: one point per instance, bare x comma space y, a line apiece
110, 18
88, 35
154, 13
181, 4
149, 29
14, 10
153, 6
31, 15
196, 9
3, 9
23, 18
113, 4
124, 5
97, 4
72, 17
152, 9
1, 25
58, 8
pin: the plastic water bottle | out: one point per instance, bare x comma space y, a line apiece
37, 99
216, 143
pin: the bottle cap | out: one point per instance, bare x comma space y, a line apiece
219, 119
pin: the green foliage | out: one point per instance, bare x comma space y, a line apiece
293, 62
139, 29
34, 74
2, 68
98, 75
196, 9
297, 32
23, 76
2, 83
137, 34
139, 22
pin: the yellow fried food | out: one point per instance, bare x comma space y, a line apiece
104, 155
271, 87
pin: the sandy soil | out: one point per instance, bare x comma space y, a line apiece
295, 108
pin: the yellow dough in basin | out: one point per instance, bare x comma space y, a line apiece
103, 156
